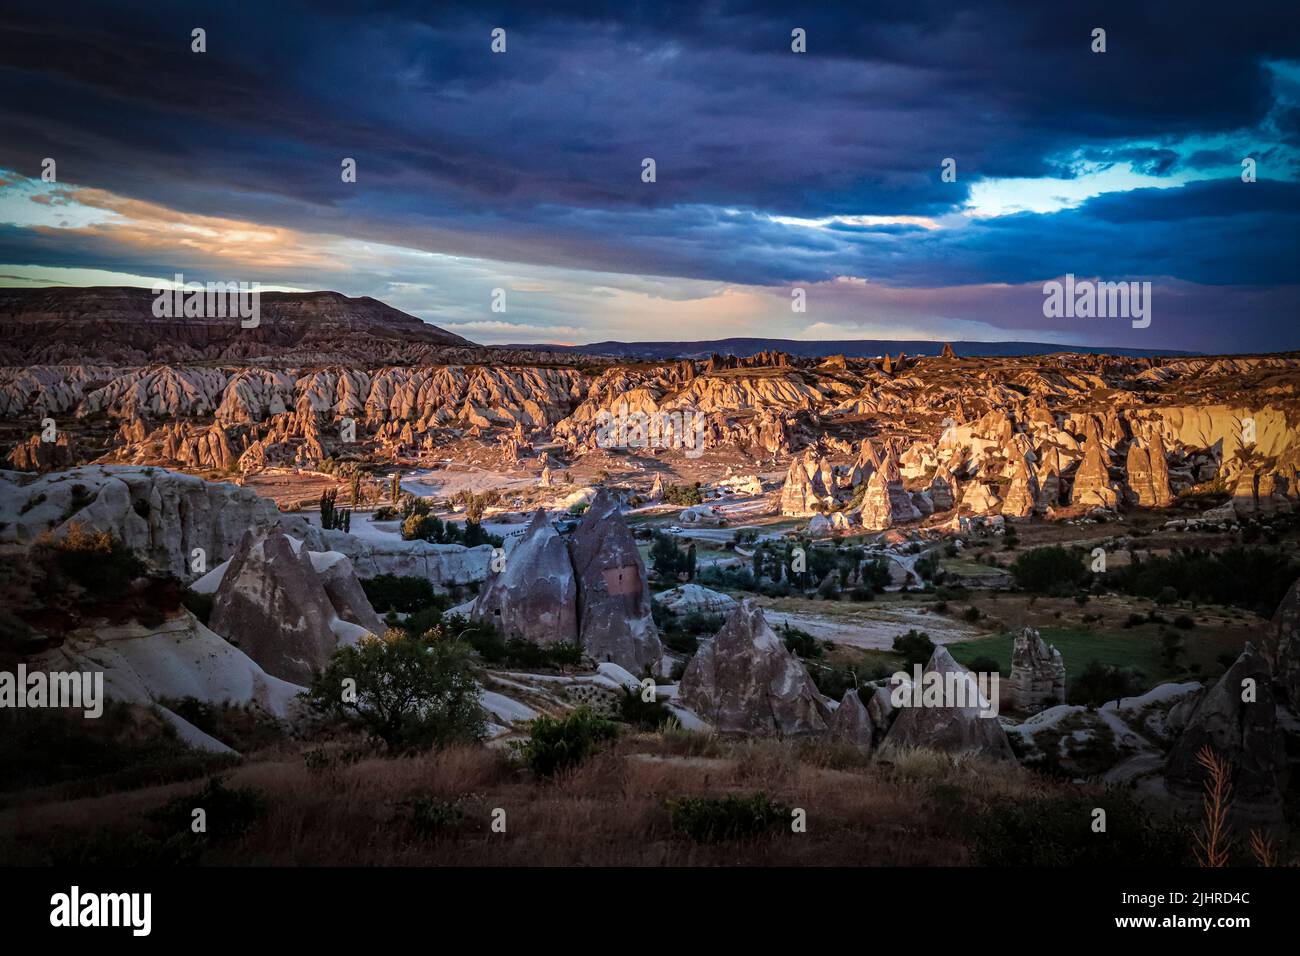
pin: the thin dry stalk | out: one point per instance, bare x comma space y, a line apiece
1214, 841
1264, 848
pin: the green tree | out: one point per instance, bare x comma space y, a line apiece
411, 692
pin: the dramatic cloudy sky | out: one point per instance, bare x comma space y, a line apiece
775, 170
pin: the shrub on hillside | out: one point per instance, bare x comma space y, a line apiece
555, 744
228, 812
1057, 831
410, 692
716, 820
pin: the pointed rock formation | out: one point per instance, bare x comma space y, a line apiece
275, 605
943, 489
614, 610
809, 486
1022, 497
979, 499
745, 681
1286, 646
1245, 733
947, 351
1037, 671
657, 488
851, 723
1148, 474
535, 596
1092, 484
948, 727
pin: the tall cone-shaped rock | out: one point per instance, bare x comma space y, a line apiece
535, 595
614, 611
943, 489
1022, 497
952, 721
1148, 474
1037, 671
274, 606
745, 681
1244, 733
1286, 645
809, 485
1092, 485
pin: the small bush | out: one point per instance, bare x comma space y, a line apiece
556, 744
230, 811
645, 714
1057, 831
430, 816
915, 647
716, 820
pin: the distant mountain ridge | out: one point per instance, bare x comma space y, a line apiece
117, 324
850, 348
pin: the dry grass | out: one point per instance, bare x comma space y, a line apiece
608, 811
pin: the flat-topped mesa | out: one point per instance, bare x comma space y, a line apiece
1022, 496
744, 681
1092, 484
535, 595
615, 620
1037, 672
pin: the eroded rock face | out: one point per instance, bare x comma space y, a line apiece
949, 728
1244, 733
744, 681
535, 596
809, 486
614, 610
1092, 485
1022, 497
274, 605
38, 455
943, 489
1037, 671
851, 724
979, 499
1286, 645
694, 599
1148, 473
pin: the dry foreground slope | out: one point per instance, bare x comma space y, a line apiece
217, 520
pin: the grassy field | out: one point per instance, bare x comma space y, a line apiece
1138, 648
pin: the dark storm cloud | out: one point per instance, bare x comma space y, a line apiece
535, 156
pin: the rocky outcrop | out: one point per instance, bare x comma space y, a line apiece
174, 660
744, 681
279, 607
851, 724
886, 502
809, 486
1037, 672
614, 611
1092, 484
1022, 496
694, 599
535, 595
1237, 719
1148, 474
1286, 646
944, 493
38, 455
948, 727
979, 499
